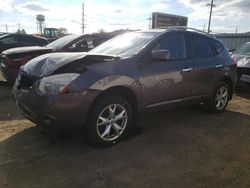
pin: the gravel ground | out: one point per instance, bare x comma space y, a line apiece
184, 147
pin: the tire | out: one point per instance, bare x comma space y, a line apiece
217, 103
109, 120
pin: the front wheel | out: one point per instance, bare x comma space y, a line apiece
219, 100
109, 120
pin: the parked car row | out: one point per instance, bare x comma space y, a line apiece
103, 90
12, 59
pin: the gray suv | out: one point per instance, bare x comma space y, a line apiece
104, 89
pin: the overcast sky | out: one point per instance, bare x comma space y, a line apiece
121, 14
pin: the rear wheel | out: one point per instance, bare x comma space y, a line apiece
109, 120
219, 100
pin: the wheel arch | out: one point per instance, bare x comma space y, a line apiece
230, 84
122, 91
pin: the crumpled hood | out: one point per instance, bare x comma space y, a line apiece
28, 49
242, 60
47, 64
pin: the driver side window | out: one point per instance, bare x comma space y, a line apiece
79, 46
176, 46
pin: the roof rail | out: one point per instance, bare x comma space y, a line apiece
174, 28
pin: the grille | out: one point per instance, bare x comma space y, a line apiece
25, 82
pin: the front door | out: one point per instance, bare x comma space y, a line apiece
170, 79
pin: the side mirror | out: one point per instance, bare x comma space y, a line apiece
160, 55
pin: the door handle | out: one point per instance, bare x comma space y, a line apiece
187, 69
218, 65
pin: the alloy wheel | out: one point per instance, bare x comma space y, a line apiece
221, 98
111, 122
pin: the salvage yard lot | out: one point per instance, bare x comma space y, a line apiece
184, 147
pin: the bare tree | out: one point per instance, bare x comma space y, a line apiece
62, 32
101, 31
19, 31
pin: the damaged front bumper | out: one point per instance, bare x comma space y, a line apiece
66, 110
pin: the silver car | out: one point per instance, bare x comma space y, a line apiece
242, 56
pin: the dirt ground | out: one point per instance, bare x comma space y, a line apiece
181, 148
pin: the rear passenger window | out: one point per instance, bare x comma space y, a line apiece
175, 44
218, 46
201, 47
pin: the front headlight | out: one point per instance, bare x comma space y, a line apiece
57, 83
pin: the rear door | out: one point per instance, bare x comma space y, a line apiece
166, 80
205, 64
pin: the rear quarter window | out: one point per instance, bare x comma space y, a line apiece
218, 46
42, 42
200, 47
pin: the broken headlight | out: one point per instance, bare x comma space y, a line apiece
57, 84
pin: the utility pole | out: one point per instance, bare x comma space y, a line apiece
204, 27
83, 18
150, 21
236, 30
6, 27
211, 5
19, 26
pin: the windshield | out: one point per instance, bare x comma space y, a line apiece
125, 45
244, 49
60, 43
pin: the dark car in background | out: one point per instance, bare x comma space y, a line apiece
12, 40
11, 60
242, 56
2, 33
104, 89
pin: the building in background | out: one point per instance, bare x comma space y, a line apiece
233, 40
